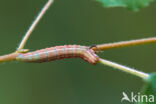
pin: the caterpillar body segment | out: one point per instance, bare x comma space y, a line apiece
59, 52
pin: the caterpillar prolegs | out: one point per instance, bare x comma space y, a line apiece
60, 52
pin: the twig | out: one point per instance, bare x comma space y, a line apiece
124, 44
35, 22
9, 57
124, 68
12, 56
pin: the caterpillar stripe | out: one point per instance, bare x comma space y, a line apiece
60, 52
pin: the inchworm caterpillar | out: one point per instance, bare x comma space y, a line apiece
59, 52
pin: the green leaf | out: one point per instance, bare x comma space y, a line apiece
134, 5
150, 89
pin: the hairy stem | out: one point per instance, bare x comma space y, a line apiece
124, 68
124, 44
34, 24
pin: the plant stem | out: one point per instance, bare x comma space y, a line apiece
9, 57
124, 44
34, 24
124, 68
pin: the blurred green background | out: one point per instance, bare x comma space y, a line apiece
73, 81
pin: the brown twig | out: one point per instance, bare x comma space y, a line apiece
9, 57
34, 24
101, 47
123, 44
12, 56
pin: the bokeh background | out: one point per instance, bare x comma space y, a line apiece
73, 81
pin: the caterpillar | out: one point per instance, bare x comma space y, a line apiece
59, 52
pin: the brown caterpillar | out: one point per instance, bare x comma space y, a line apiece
60, 52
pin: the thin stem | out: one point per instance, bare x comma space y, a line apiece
124, 44
9, 57
33, 25
124, 68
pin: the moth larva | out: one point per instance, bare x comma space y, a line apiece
59, 52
